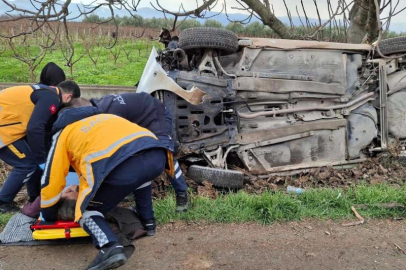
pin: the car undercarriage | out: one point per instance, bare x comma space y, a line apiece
273, 106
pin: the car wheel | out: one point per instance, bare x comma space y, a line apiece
395, 45
208, 38
218, 177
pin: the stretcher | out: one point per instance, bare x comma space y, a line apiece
57, 230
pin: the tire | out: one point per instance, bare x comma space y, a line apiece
395, 45
218, 177
208, 38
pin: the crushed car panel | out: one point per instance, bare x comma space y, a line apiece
155, 78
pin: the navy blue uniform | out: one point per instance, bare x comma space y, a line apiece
140, 108
150, 113
47, 103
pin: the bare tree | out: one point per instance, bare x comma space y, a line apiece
46, 11
266, 15
116, 52
30, 51
198, 12
3, 46
353, 21
43, 12
363, 22
94, 47
350, 21
68, 49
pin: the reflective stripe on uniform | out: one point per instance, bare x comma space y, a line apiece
16, 152
51, 151
47, 203
1, 143
178, 174
28, 176
144, 185
88, 214
95, 229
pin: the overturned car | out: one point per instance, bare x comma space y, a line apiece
276, 106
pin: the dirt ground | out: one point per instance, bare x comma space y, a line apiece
380, 244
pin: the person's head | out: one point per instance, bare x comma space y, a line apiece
67, 203
70, 90
52, 75
80, 102
71, 192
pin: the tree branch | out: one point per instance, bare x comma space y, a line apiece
269, 19
196, 12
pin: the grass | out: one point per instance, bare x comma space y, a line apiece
127, 71
323, 203
4, 219
269, 207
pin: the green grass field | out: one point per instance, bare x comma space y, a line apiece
127, 71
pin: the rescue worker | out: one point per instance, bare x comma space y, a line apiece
113, 157
24, 114
150, 113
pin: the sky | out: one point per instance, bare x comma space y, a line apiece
278, 6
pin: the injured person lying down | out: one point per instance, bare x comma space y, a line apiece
125, 222
66, 205
18, 229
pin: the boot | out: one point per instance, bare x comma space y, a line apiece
8, 207
182, 202
149, 226
109, 258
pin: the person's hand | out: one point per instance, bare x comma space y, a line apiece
42, 166
41, 217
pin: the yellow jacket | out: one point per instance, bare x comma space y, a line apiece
93, 146
16, 108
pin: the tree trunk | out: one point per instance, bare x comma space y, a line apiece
363, 22
269, 19
32, 72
